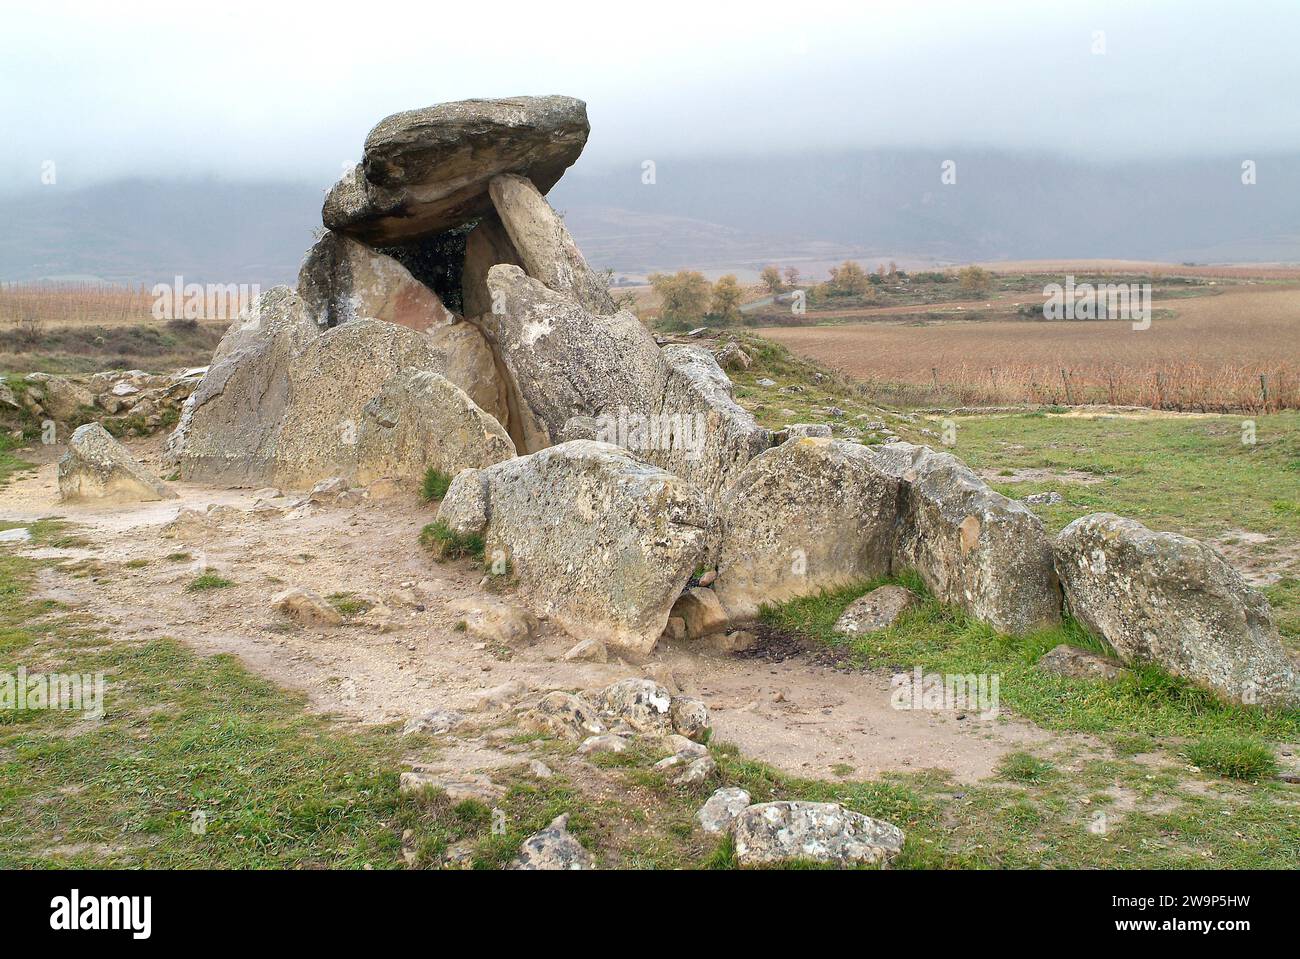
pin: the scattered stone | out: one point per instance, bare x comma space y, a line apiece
690, 717
98, 467
732, 357
695, 772
497, 624
565, 715
433, 722
797, 430
1044, 499
720, 811
682, 748
727, 643
597, 541
765, 382
61, 399
553, 848
662, 674
539, 769
675, 631
702, 612
607, 743
877, 610
1173, 601
817, 832
458, 787
1067, 660
19, 534
305, 607
498, 697
641, 703
707, 578
587, 651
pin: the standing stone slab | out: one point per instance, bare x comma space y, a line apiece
426, 171
563, 362
98, 467
597, 540
808, 515
487, 245
420, 420
973, 547
342, 280
1173, 601
544, 244
692, 390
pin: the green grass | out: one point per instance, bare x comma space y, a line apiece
347, 604
1022, 767
445, 543
206, 581
434, 485
944, 640
1233, 756
10, 464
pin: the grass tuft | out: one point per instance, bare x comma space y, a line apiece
207, 581
434, 485
1231, 756
444, 543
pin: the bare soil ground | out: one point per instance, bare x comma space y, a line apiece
808, 719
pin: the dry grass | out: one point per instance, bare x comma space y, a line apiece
1237, 350
69, 304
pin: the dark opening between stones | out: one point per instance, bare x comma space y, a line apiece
438, 262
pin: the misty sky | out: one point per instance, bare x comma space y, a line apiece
274, 90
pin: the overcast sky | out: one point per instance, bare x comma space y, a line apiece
271, 89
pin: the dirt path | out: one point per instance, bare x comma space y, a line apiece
805, 719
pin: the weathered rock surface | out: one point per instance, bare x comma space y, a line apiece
426, 171
690, 717
342, 280
565, 715
696, 398
544, 245
553, 848
722, 808
432, 722
732, 357
98, 467
809, 515
702, 612
1173, 601
563, 362
1067, 660
487, 245
973, 547
290, 405
420, 420
61, 399
877, 610
641, 703
502, 624
306, 607
597, 540
818, 832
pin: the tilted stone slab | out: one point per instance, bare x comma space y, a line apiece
544, 244
98, 467
342, 280
426, 171
562, 361
973, 547
1170, 600
487, 245
597, 540
808, 515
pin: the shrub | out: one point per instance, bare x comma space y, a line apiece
434, 485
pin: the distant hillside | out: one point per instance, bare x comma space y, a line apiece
715, 214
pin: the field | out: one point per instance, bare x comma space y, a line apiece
1235, 348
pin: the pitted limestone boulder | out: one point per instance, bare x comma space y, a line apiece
808, 515
1166, 599
597, 540
973, 547
98, 467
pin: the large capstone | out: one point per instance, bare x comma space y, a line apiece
809, 515
973, 547
426, 171
597, 540
1166, 599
